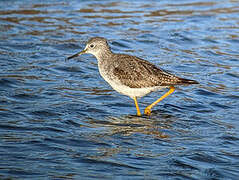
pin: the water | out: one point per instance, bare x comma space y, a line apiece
61, 120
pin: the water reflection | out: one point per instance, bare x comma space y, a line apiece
130, 125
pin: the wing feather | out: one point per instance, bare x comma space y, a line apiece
137, 73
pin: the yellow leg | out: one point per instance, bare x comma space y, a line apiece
137, 106
147, 110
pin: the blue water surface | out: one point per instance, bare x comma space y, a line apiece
60, 120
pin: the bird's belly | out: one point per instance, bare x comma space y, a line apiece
131, 92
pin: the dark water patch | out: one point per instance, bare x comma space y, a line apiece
45, 113
195, 107
9, 83
183, 164
21, 47
16, 128
206, 93
94, 110
212, 53
70, 69
219, 105
148, 39
232, 97
26, 97
174, 108
21, 172
7, 114
120, 44
103, 96
106, 163
206, 158
181, 38
210, 41
116, 104
77, 143
230, 138
235, 75
234, 40
68, 46
212, 173
73, 123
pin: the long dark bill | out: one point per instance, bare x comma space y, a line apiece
77, 54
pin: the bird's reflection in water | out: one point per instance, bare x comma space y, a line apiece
128, 134
131, 124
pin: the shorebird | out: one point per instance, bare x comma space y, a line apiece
130, 75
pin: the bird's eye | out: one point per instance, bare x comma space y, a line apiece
92, 45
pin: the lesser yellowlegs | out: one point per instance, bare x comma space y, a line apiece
130, 75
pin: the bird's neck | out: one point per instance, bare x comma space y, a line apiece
103, 55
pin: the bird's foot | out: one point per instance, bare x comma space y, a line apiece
147, 111
138, 113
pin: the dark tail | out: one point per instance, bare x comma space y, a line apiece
187, 81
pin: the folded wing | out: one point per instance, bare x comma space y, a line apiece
137, 73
